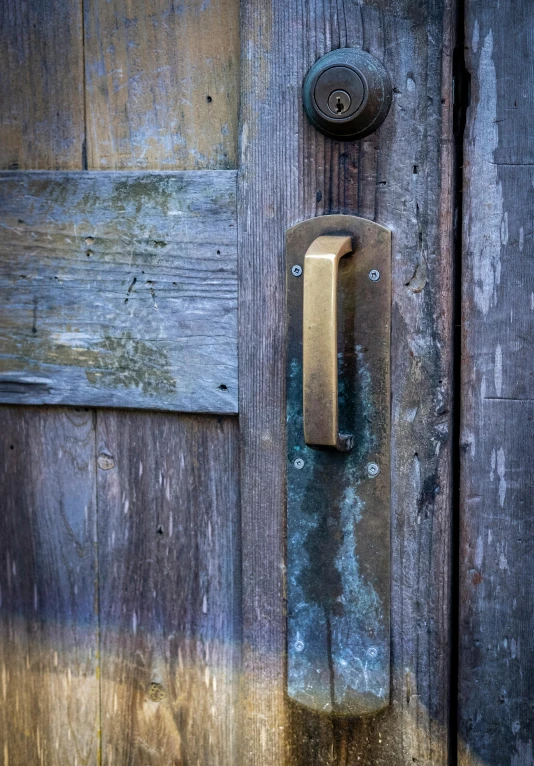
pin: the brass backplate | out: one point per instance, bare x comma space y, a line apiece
338, 505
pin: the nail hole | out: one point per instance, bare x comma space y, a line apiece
89, 240
222, 387
209, 99
159, 530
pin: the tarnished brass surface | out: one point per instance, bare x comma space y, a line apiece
339, 503
319, 342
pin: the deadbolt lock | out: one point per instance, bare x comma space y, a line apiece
347, 94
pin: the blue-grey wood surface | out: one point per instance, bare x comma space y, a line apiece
496, 678
119, 289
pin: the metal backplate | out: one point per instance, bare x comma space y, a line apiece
338, 510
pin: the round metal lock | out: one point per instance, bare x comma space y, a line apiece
347, 94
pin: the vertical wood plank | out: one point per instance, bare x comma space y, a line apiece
49, 624
42, 93
162, 84
162, 94
496, 683
402, 179
48, 621
169, 564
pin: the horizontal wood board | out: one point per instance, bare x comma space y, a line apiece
119, 289
496, 679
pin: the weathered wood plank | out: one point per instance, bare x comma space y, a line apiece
162, 84
169, 562
496, 684
48, 621
402, 179
41, 98
49, 707
119, 290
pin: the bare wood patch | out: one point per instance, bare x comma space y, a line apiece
162, 84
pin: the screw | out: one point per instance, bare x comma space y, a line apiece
299, 645
372, 651
296, 271
372, 470
298, 462
374, 275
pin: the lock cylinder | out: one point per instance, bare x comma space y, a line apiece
347, 94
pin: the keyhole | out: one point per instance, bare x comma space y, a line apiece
339, 102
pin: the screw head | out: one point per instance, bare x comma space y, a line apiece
299, 645
372, 470
298, 462
372, 651
296, 271
374, 275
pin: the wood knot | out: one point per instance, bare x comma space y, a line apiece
106, 462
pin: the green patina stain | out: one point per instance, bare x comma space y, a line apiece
133, 194
136, 364
113, 362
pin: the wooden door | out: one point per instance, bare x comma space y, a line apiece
142, 376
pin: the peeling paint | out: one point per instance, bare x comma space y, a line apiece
500, 474
497, 374
486, 223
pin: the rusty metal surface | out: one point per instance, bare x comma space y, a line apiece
338, 515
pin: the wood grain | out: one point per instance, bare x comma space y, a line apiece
162, 84
48, 621
49, 709
42, 93
496, 683
402, 179
119, 290
169, 598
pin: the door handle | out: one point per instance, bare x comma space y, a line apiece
338, 502
319, 342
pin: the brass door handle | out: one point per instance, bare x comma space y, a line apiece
319, 343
